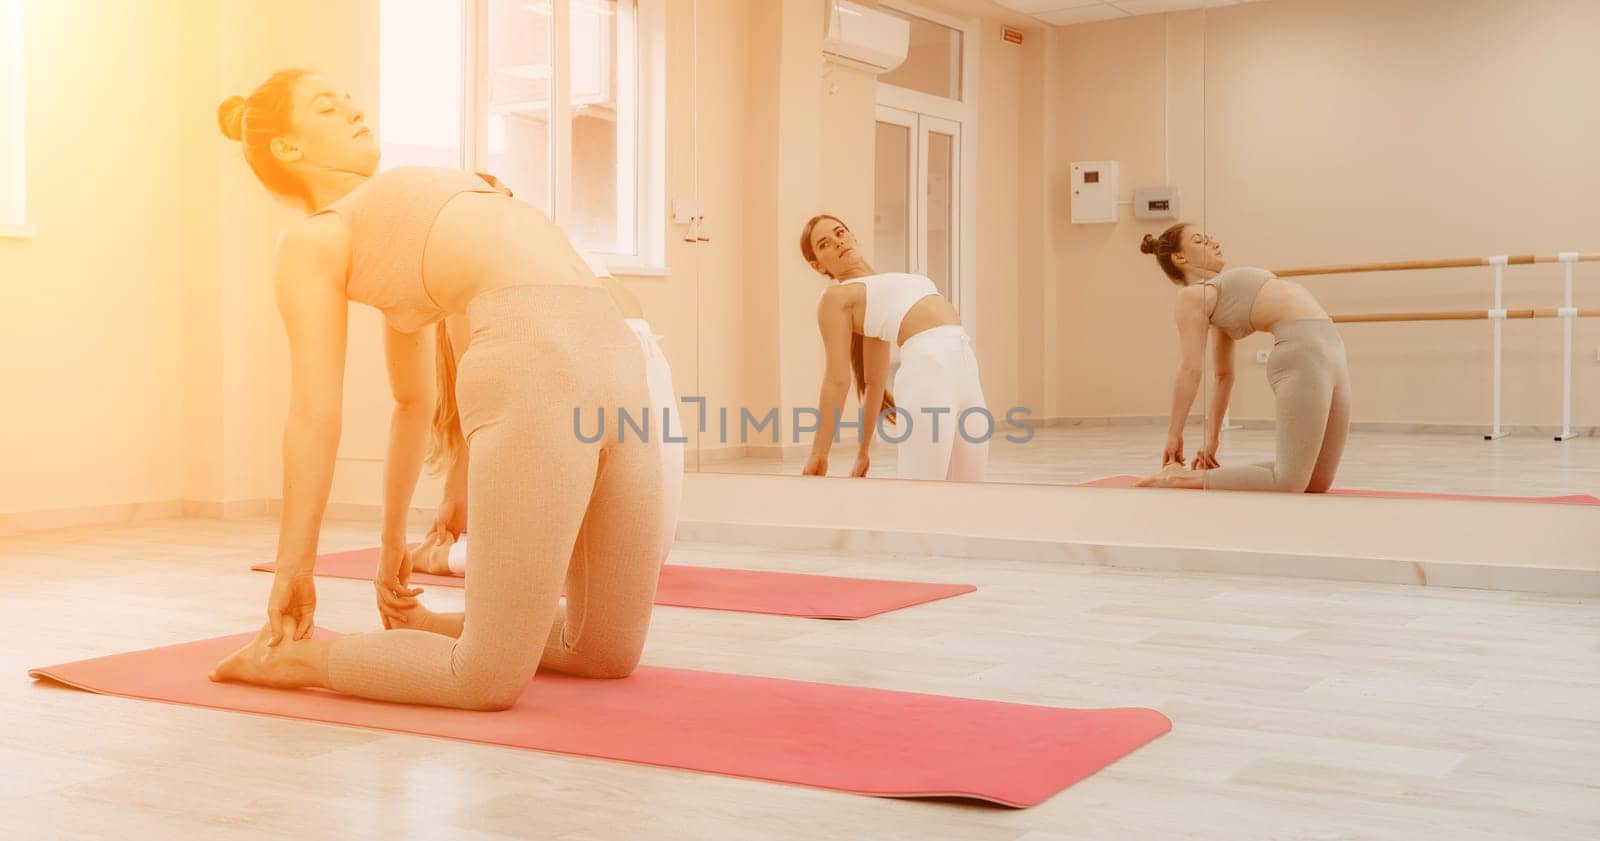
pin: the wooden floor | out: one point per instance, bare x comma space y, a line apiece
1437, 462
1301, 709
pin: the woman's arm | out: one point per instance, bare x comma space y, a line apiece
875, 367
1192, 324
411, 371
1222, 354
456, 480
311, 299
833, 321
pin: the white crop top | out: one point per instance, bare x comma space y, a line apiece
889, 297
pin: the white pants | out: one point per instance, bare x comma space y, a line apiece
658, 376
939, 371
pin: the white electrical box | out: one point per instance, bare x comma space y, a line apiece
1155, 203
1094, 191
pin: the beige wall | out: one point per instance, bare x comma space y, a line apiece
1114, 342
95, 341
1037, 289
1354, 131
713, 358
999, 280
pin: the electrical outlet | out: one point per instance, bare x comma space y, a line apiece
1261, 356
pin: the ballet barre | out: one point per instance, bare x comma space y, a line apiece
1457, 263
1461, 315
1498, 314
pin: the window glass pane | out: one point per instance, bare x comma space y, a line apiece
933, 63
521, 74
603, 107
419, 83
891, 250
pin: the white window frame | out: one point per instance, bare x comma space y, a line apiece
645, 173
14, 192
964, 113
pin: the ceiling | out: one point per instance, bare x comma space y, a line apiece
1068, 12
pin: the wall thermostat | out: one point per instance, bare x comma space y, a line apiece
1155, 203
1094, 191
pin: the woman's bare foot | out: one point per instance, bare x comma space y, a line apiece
432, 555
288, 664
1174, 475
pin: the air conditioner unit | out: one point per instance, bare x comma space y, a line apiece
865, 36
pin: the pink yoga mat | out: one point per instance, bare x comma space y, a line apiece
867, 741
1570, 499
716, 588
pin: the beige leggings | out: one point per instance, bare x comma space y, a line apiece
546, 506
664, 425
1311, 387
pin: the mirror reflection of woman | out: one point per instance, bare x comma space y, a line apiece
862, 315
421, 244
1307, 369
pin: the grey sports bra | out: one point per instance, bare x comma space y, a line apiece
1236, 295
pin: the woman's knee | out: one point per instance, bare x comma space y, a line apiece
490, 699
1319, 486
607, 663
491, 687
1292, 482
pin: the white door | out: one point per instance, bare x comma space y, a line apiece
917, 216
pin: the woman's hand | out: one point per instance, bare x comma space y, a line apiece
862, 462
396, 598
1173, 452
414, 618
815, 466
451, 518
1205, 458
291, 606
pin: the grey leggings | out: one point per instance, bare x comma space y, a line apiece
1311, 387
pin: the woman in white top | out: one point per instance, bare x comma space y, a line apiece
939, 421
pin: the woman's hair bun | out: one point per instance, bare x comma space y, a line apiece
230, 116
1148, 245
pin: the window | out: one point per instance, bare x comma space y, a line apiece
933, 60
420, 91
560, 99
13, 186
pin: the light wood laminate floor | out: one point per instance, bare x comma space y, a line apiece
1302, 709
1520, 465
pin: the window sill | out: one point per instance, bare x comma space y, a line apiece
18, 232
627, 268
